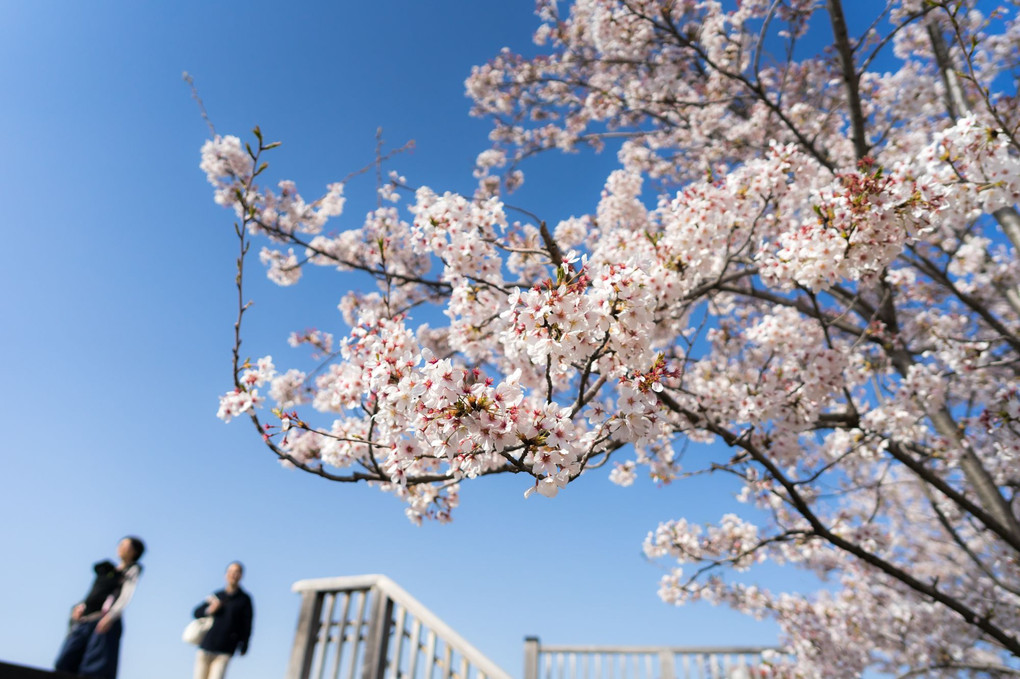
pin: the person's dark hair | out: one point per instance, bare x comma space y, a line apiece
137, 546
238, 564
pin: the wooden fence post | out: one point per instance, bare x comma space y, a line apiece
378, 642
531, 648
667, 667
304, 638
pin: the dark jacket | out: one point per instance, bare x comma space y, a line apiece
232, 622
107, 584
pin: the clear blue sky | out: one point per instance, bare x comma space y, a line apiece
116, 329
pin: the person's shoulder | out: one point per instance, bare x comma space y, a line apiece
104, 567
133, 571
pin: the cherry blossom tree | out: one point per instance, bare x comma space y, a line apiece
811, 257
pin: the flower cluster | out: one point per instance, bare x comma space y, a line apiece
825, 280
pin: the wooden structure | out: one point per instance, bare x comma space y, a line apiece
367, 627
10, 671
642, 662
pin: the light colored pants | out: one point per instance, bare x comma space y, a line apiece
210, 665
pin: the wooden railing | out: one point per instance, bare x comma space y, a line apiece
367, 627
643, 662
9, 671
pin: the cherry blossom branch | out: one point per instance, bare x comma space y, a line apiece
968, 60
241, 229
962, 544
584, 395
956, 103
759, 45
290, 238
992, 669
981, 621
755, 88
555, 254
710, 565
803, 306
851, 77
990, 521
380, 159
1004, 522
888, 37
924, 264
198, 100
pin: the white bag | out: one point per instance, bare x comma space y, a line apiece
196, 629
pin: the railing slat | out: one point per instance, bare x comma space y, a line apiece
398, 650
448, 660
325, 627
341, 635
415, 648
667, 669
356, 646
430, 653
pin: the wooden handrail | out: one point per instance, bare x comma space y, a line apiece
392, 608
585, 661
643, 650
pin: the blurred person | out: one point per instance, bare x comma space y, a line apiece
232, 613
92, 646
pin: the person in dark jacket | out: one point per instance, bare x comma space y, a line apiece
233, 614
92, 646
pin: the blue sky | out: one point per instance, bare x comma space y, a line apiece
116, 332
